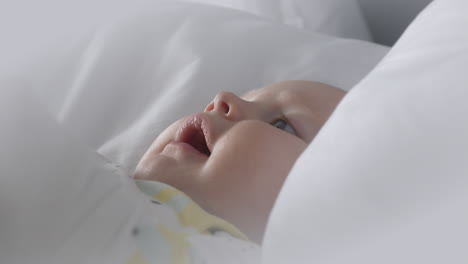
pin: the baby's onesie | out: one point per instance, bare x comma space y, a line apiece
175, 230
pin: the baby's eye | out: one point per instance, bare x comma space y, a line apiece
283, 125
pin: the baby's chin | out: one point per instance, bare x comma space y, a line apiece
167, 170
151, 169
142, 173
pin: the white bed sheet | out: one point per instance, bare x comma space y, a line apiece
60, 201
118, 85
339, 18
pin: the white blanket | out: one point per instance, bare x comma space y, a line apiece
386, 179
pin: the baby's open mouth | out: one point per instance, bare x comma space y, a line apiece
192, 133
196, 139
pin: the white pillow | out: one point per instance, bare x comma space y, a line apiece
60, 202
120, 85
385, 180
340, 18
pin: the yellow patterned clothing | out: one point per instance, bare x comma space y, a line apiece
175, 230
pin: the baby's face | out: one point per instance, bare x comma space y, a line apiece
233, 158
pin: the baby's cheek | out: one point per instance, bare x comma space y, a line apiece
274, 143
256, 151
246, 170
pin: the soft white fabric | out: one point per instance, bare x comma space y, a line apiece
119, 84
386, 179
340, 18
60, 202
48, 28
172, 222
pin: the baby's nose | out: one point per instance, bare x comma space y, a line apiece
226, 104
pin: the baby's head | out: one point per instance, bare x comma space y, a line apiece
233, 158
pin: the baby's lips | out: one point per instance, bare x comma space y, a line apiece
195, 130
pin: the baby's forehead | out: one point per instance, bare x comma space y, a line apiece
274, 93
294, 89
251, 93
265, 91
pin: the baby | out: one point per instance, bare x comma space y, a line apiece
233, 158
